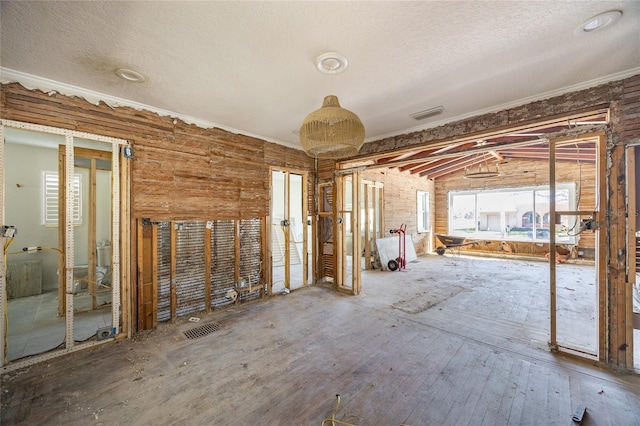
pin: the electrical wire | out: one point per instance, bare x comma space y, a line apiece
333, 420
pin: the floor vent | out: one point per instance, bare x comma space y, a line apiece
201, 331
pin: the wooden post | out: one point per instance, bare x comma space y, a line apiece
553, 340
126, 247
154, 272
265, 272
62, 240
368, 189
287, 231
207, 267
174, 295
601, 251
92, 281
632, 209
305, 230
339, 247
356, 236
236, 238
140, 275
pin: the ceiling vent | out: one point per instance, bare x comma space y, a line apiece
427, 113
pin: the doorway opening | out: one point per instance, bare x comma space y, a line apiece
576, 293
61, 232
290, 251
633, 254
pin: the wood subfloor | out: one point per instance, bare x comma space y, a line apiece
419, 348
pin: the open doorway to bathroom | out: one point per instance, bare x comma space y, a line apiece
60, 217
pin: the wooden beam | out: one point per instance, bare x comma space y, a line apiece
476, 150
236, 240
265, 273
62, 239
441, 164
207, 267
632, 209
339, 246
154, 273
127, 242
93, 245
553, 339
456, 166
496, 155
526, 126
174, 266
601, 252
140, 281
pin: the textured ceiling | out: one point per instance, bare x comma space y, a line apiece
249, 66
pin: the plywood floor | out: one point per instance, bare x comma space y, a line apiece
419, 347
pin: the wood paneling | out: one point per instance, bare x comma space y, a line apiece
179, 171
400, 203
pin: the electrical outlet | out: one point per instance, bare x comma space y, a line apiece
9, 231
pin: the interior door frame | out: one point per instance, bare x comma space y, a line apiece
93, 155
599, 218
287, 212
377, 190
632, 319
120, 232
340, 234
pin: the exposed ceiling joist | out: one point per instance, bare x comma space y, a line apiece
521, 142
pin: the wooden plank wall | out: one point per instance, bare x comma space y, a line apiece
401, 204
520, 173
179, 171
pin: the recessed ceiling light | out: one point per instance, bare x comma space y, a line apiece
599, 22
331, 63
130, 75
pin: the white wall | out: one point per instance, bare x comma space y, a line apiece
23, 167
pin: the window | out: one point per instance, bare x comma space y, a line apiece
423, 211
50, 198
519, 214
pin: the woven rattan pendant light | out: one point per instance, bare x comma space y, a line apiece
331, 132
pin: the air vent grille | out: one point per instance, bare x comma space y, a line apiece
427, 113
201, 331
